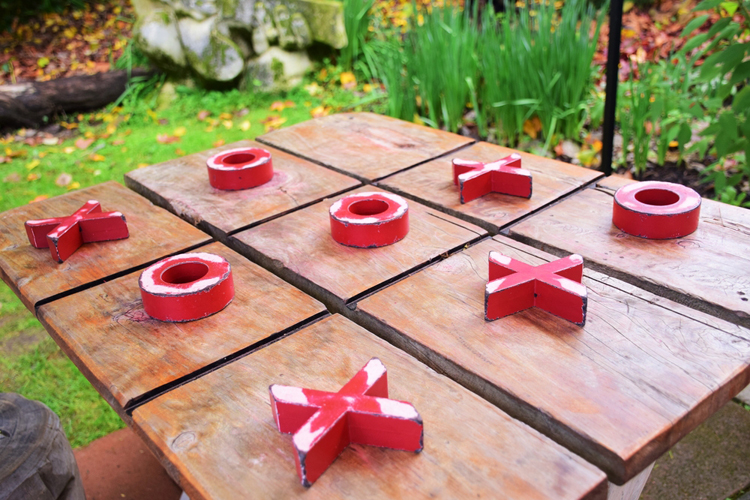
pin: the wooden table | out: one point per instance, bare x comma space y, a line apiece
129, 357
219, 435
432, 184
618, 392
36, 278
708, 270
364, 145
641, 374
181, 186
299, 248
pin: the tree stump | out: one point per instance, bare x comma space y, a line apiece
38, 461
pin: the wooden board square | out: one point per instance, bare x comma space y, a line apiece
217, 434
365, 145
708, 270
432, 184
34, 276
128, 356
299, 248
181, 186
620, 391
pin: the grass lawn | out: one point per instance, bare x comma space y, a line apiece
106, 146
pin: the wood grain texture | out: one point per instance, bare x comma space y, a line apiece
432, 184
181, 186
126, 354
299, 248
365, 145
620, 391
34, 275
218, 438
708, 270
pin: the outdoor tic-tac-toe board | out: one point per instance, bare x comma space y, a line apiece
528, 405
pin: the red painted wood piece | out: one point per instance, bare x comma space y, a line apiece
555, 287
324, 423
240, 168
656, 210
476, 179
369, 219
64, 235
187, 287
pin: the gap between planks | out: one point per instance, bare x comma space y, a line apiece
360, 178
114, 276
136, 402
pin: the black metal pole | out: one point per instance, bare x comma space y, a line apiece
610, 100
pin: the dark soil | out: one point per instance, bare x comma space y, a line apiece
673, 172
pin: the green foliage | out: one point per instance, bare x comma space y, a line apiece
398, 80
23, 9
532, 62
727, 71
538, 61
358, 54
660, 105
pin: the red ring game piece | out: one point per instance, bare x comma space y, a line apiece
240, 168
656, 210
186, 287
368, 220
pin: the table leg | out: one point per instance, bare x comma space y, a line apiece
632, 489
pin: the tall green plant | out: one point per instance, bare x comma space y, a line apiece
357, 54
441, 55
538, 61
397, 78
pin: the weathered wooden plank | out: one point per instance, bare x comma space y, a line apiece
432, 184
126, 354
365, 145
35, 276
218, 438
620, 391
299, 248
181, 186
708, 270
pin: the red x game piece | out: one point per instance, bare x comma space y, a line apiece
64, 235
324, 423
555, 287
476, 179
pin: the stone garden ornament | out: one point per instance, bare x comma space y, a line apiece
223, 41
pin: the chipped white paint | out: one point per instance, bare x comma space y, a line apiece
342, 214
151, 281
493, 285
489, 167
572, 286
688, 199
398, 409
500, 258
305, 437
374, 369
261, 159
289, 394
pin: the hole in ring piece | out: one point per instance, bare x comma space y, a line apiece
238, 158
368, 207
657, 197
184, 273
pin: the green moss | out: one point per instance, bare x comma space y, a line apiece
277, 68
